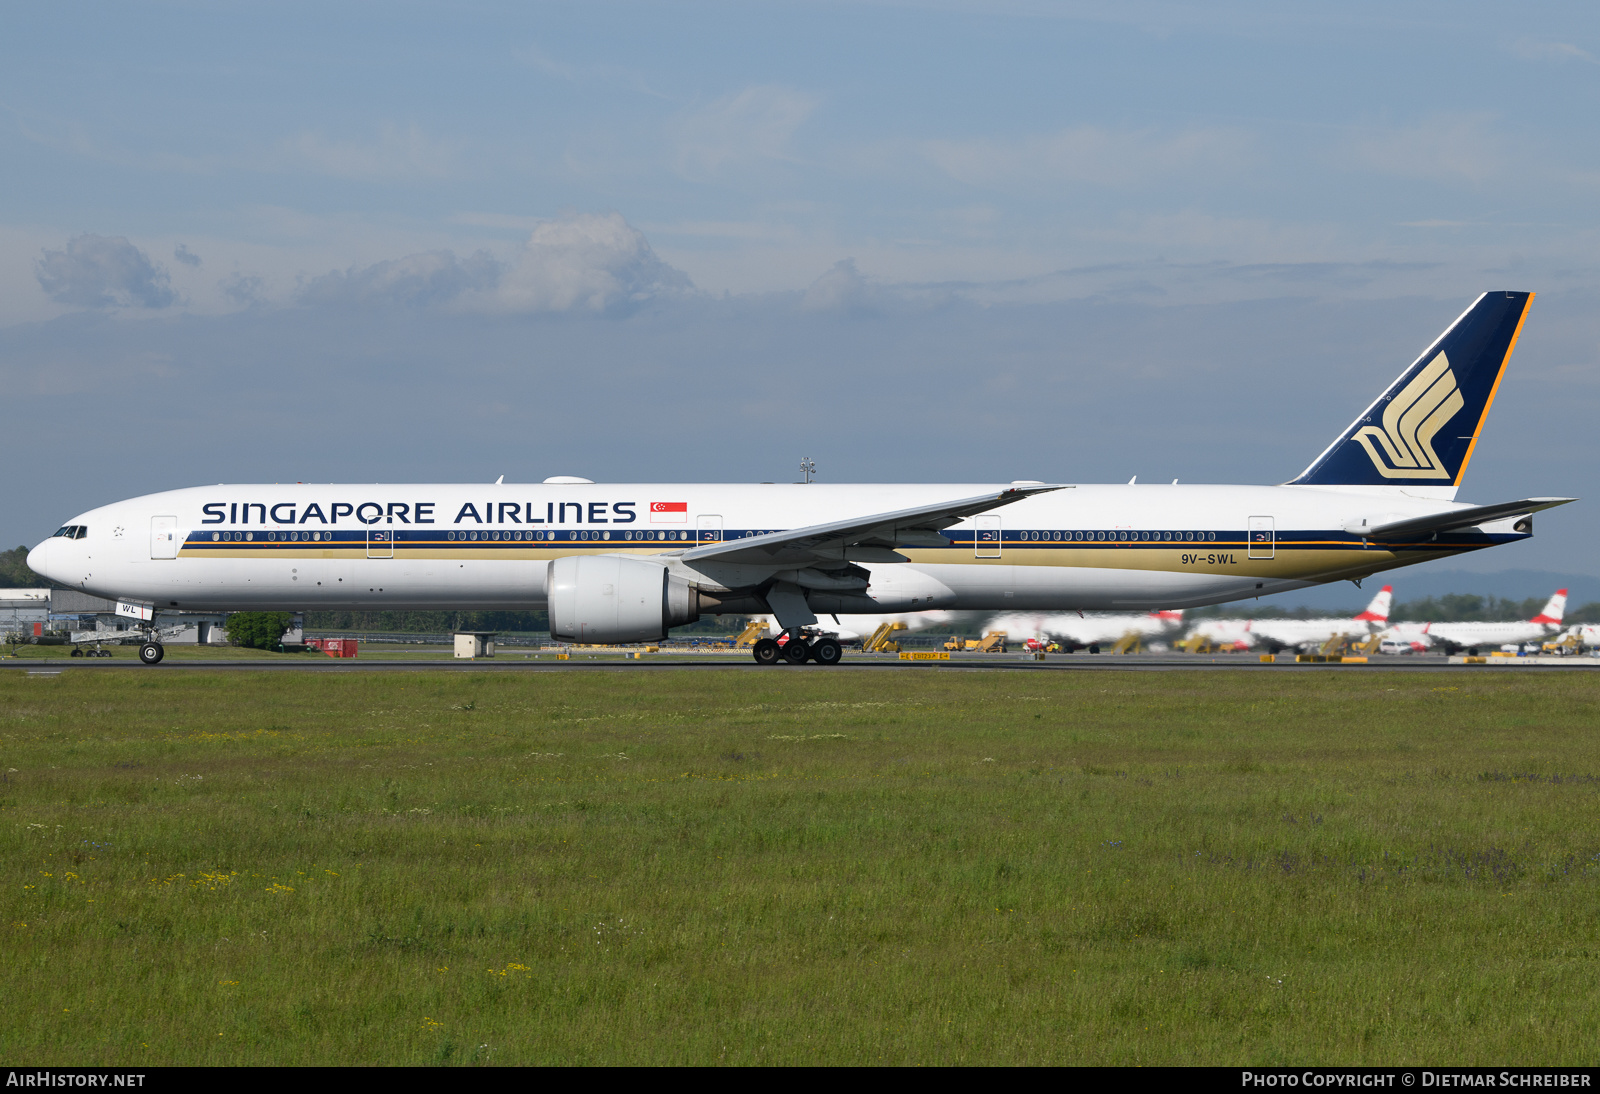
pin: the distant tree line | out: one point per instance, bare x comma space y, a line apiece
258, 630
14, 572
426, 622
1466, 608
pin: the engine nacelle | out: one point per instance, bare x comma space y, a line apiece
613, 598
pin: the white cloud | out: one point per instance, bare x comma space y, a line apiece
755, 124
841, 289
585, 262
1534, 49
397, 153
420, 280
1090, 154
245, 291
577, 262
104, 272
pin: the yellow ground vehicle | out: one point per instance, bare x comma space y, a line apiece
993, 642
753, 632
878, 641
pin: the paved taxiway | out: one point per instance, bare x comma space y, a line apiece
858, 663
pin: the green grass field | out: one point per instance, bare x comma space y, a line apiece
799, 867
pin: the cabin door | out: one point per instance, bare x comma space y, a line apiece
163, 537
380, 543
710, 528
986, 542
1263, 539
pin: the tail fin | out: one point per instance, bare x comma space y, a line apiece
1422, 430
1169, 617
1553, 610
1378, 610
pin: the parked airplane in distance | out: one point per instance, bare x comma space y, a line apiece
1285, 634
1587, 634
1090, 632
625, 563
1473, 637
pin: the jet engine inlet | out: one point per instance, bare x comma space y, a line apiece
612, 598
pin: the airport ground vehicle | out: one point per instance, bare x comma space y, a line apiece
991, 642
881, 639
622, 563
1586, 635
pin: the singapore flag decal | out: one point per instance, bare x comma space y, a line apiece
669, 512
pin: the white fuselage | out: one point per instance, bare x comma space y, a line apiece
1470, 635
1588, 634
1088, 630
1131, 548
1280, 633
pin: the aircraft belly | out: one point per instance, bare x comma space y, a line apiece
337, 581
1098, 588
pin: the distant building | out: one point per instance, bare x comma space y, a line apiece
82, 614
24, 611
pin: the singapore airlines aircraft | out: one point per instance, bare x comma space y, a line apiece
623, 563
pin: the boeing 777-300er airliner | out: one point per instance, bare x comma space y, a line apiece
624, 563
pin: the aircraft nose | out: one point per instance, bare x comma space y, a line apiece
39, 559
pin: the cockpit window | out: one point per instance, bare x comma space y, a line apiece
72, 531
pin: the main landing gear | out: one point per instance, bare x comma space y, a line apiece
797, 651
151, 653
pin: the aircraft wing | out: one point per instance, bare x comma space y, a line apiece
1454, 519
860, 539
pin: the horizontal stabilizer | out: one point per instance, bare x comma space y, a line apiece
880, 531
1453, 519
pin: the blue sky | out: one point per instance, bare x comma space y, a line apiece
697, 241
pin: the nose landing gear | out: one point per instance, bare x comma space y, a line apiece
151, 653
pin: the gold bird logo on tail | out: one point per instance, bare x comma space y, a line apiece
1411, 421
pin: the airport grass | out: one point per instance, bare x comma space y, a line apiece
798, 866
